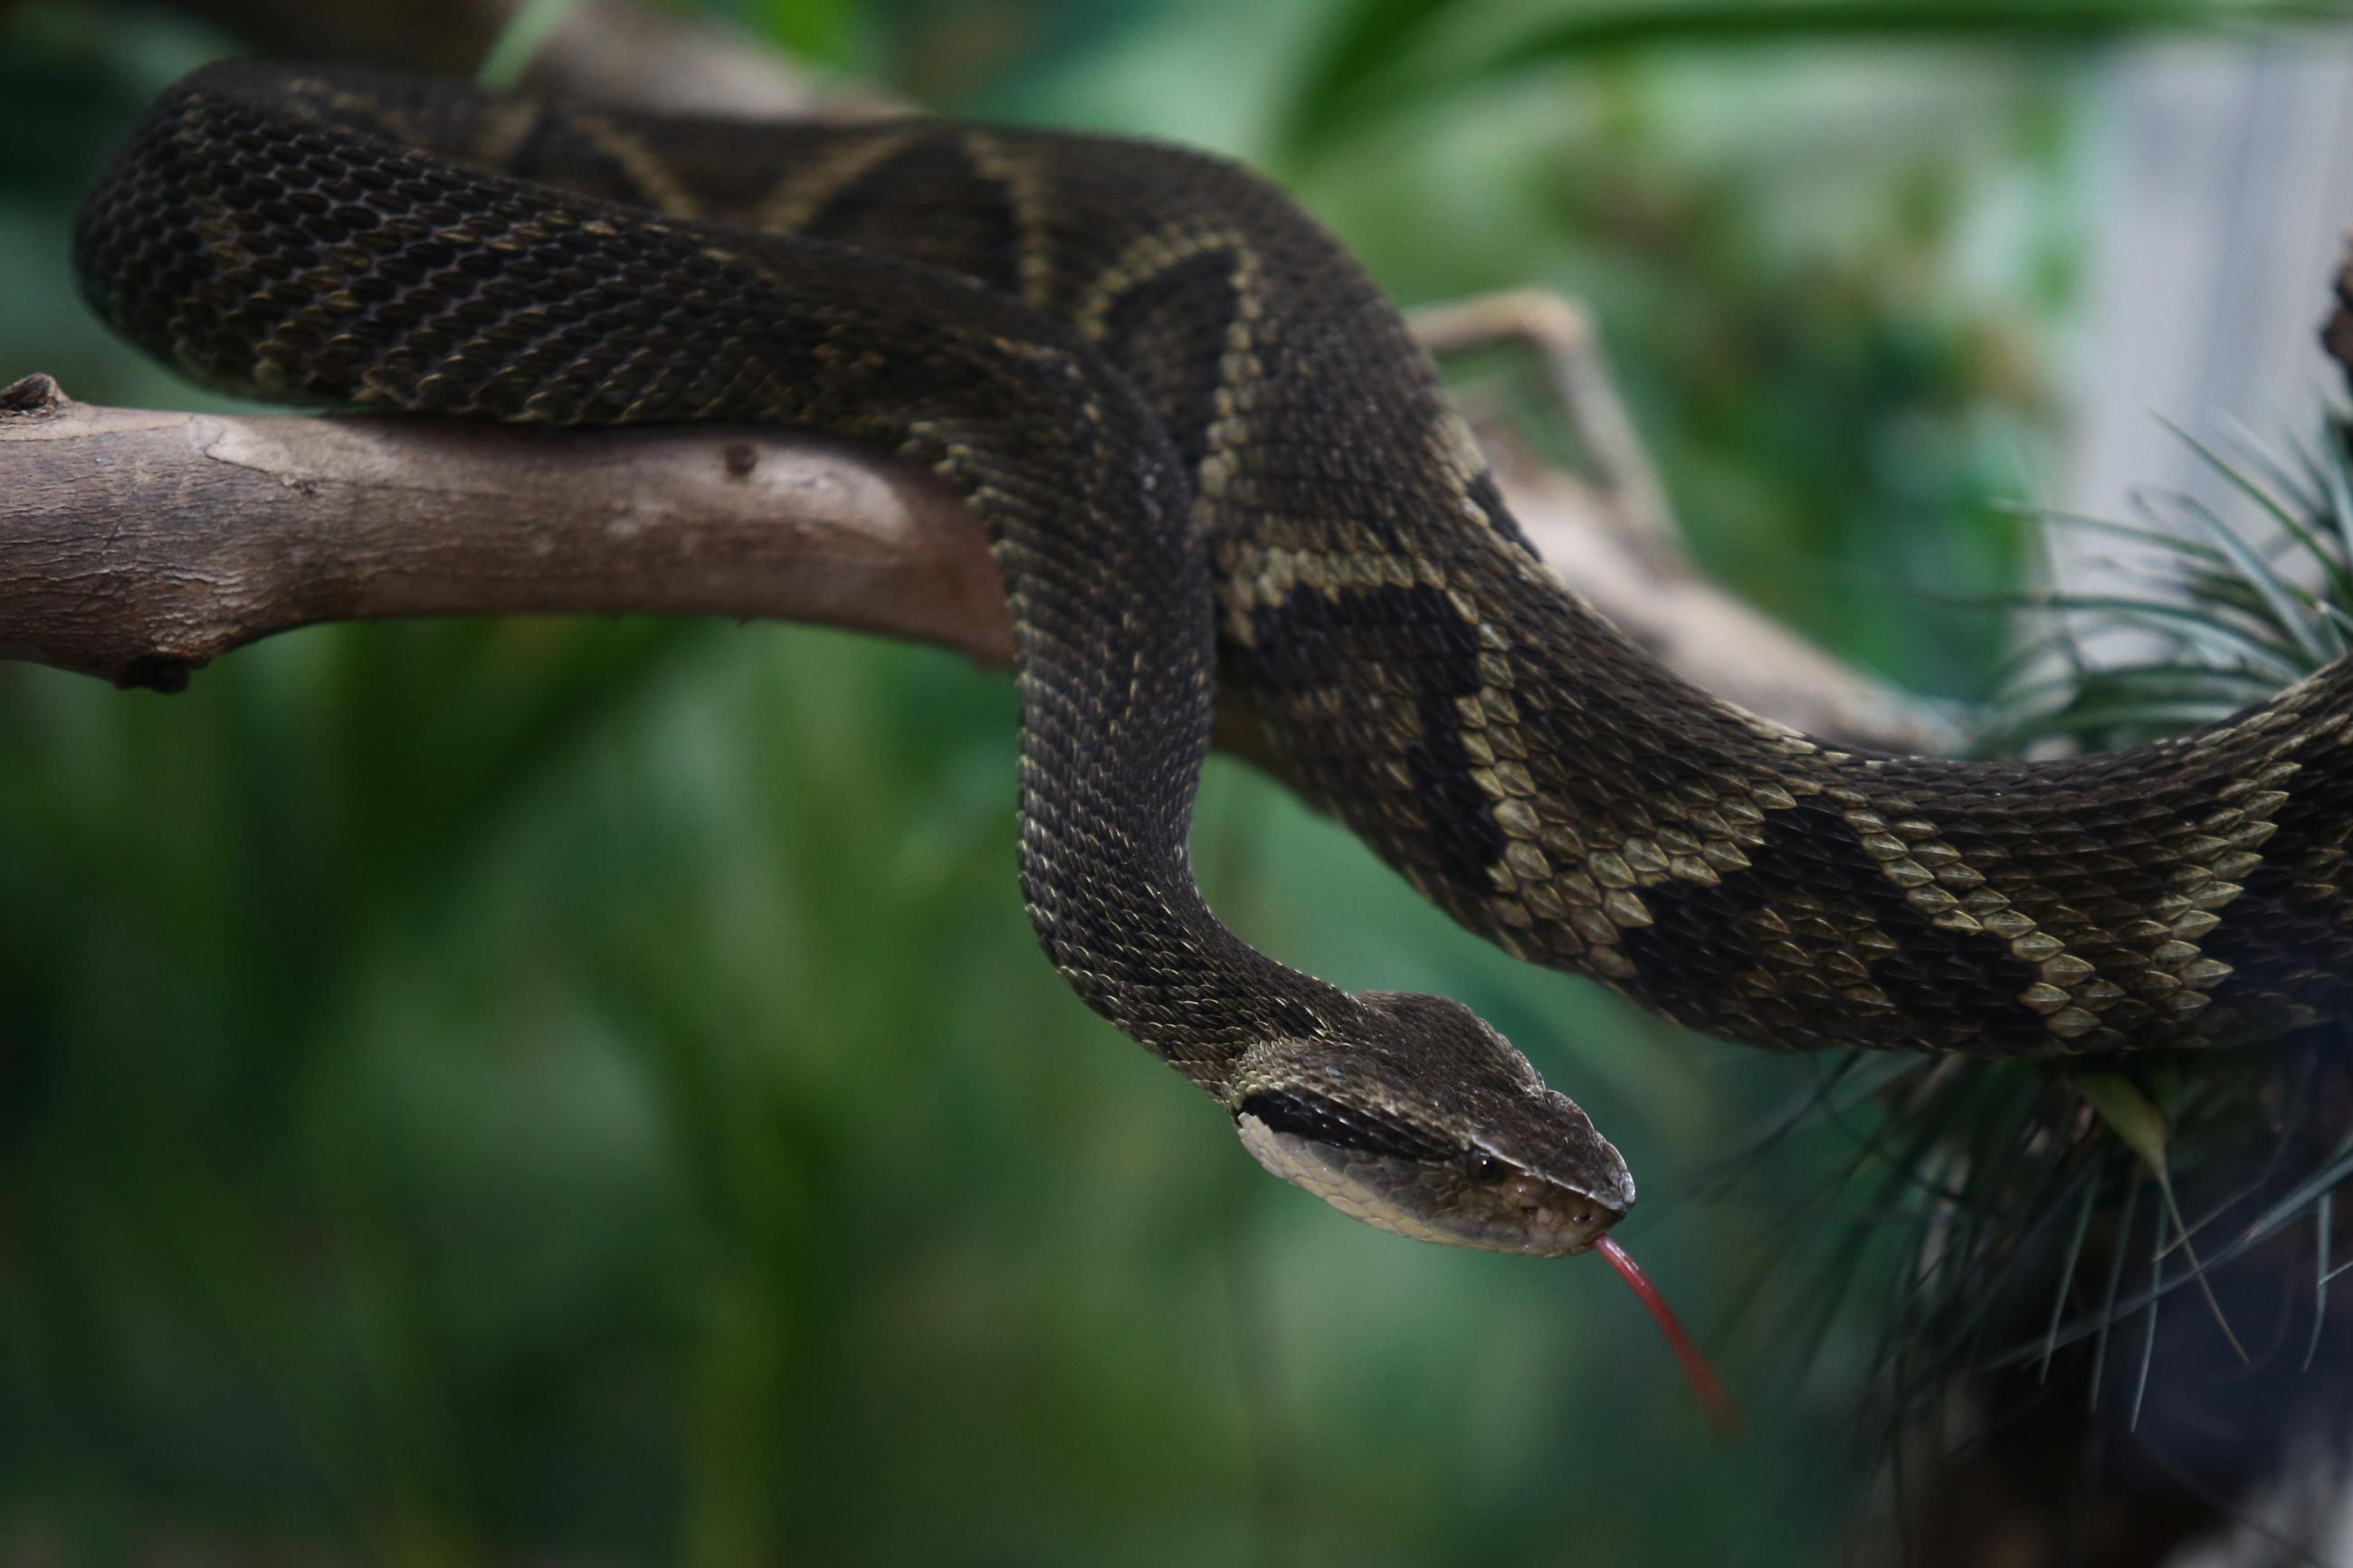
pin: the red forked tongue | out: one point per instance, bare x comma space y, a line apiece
1723, 1416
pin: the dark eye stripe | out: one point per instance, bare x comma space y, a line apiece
1322, 1121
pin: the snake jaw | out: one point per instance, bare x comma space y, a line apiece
1437, 1199
1411, 1113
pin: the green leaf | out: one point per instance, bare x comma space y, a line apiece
1385, 51
2129, 1115
1371, 37
518, 43
813, 30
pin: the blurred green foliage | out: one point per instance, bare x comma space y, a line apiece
546, 1092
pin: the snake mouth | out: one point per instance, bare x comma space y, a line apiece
1566, 1220
1450, 1201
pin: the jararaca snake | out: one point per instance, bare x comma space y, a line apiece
1207, 453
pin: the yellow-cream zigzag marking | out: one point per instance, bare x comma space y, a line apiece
803, 192
645, 169
1023, 183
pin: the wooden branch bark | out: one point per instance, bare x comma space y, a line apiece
137, 546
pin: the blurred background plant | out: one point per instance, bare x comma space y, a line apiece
585, 1092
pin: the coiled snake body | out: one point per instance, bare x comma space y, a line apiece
1207, 451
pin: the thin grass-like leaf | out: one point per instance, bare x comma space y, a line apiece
2337, 472
2148, 1342
1803, 1342
2150, 704
1980, 1293
1859, 1077
2154, 538
2155, 679
2215, 1212
2108, 1298
2323, 1221
2289, 608
2284, 606
2327, 504
2202, 635
2032, 653
2300, 485
2312, 471
2193, 621
2299, 1202
2299, 1199
2292, 610
2142, 717
2131, 1116
2067, 1272
2293, 525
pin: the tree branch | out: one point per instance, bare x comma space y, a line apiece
137, 545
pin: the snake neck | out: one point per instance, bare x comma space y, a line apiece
596, 315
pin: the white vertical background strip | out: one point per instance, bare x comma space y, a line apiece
2223, 174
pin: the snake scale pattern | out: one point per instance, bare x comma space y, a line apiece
1208, 451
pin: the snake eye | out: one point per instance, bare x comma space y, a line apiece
1486, 1170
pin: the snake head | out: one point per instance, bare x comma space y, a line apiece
1411, 1113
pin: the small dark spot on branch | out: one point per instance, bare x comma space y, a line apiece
155, 672
35, 394
741, 460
